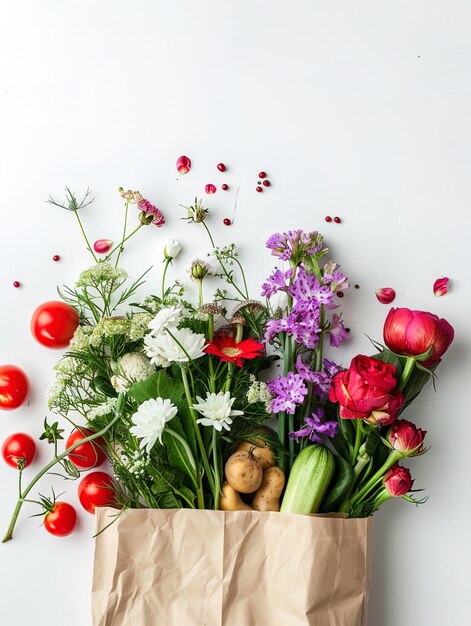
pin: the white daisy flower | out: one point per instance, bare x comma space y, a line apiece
150, 419
176, 345
165, 318
216, 410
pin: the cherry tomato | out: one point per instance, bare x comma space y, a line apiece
14, 387
54, 323
61, 519
96, 489
89, 454
19, 450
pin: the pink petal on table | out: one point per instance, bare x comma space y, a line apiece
102, 246
210, 189
385, 295
440, 287
183, 165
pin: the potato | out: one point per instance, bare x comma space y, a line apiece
268, 495
243, 472
231, 500
260, 449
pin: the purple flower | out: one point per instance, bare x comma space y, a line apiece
288, 391
331, 368
303, 323
321, 381
276, 282
293, 245
337, 332
306, 287
314, 426
337, 281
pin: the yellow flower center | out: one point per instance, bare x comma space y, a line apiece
231, 351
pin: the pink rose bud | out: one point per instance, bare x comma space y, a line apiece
385, 295
398, 481
411, 333
183, 165
102, 246
406, 438
210, 189
440, 287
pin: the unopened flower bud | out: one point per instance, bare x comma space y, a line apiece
102, 246
406, 438
172, 249
398, 481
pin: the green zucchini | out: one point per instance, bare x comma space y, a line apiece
308, 481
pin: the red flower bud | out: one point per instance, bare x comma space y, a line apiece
411, 333
406, 438
398, 481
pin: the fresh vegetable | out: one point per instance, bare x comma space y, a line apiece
308, 481
260, 449
54, 323
268, 494
243, 472
96, 489
230, 500
14, 387
19, 450
61, 519
89, 454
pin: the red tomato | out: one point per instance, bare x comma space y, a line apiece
14, 387
96, 489
61, 519
18, 450
89, 454
54, 323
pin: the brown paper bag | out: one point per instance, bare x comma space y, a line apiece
241, 568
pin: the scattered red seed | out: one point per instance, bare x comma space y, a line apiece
227, 221
262, 175
16, 284
337, 220
210, 189
221, 167
259, 189
224, 187
266, 183
340, 294
56, 257
328, 218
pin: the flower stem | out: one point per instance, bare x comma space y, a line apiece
199, 439
217, 478
55, 460
392, 458
358, 440
123, 238
407, 371
166, 264
90, 249
118, 246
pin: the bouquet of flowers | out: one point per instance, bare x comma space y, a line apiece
181, 397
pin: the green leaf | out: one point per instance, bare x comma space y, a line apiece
169, 501
417, 381
372, 442
179, 454
339, 485
389, 357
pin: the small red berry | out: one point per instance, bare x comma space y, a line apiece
221, 167
224, 187
328, 218
16, 284
340, 294
259, 189
337, 220
56, 257
227, 221
262, 175
266, 183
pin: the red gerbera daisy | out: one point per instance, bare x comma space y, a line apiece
228, 349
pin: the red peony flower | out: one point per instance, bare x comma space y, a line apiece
228, 349
367, 390
410, 333
398, 481
406, 438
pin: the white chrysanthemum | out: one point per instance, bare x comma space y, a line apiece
165, 318
216, 410
174, 346
150, 419
132, 367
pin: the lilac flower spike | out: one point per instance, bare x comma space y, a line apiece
321, 381
337, 332
276, 282
314, 427
293, 245
288, 391
306, 287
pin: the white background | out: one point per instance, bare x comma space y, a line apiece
356, 109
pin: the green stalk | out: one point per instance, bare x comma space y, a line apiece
394, 457
90, 249
217, 479
358, 440
200, 291
55, 460
123, 238
199, 439
118, 246
407, 371
167, 263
